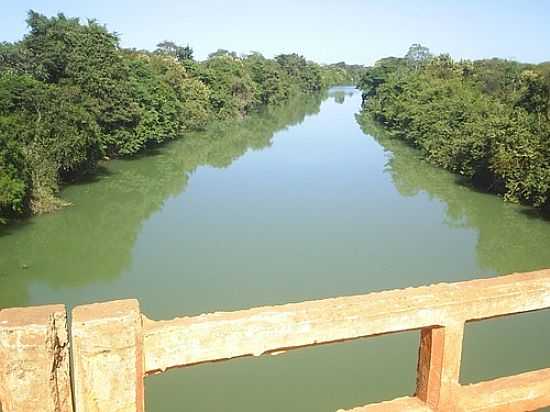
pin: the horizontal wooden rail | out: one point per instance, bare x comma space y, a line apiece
217, 336
409, 404
525, 392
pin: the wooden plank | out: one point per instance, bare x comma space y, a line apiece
224, 335
525, 392
439, 361
430, 365
408, 404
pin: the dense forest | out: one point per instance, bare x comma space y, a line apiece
487, 120
71, 96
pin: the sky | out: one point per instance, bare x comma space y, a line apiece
325, 31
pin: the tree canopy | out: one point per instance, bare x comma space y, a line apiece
71, 96
488, 120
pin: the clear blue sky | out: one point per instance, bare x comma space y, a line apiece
357, 31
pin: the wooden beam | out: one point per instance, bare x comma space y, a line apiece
224, 335
407, 404
439, 361
525, 392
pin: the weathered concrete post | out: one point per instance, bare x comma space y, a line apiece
439, 361
108, 357
34, 360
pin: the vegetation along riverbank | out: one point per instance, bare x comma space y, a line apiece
487, 120
71, 96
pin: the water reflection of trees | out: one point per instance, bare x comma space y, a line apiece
511, 238
93, 240
340, 93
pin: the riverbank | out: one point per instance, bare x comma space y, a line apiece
487, 121
72, 96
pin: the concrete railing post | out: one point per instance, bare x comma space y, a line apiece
108, 357
439, 361
34, 360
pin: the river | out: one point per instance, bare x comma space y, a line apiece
294, 203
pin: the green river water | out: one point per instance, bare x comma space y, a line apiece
294, 203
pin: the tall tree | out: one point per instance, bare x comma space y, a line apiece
417, 55
223, 52
180, 53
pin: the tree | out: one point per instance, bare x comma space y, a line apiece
534, 94
53, 130
86, 56
306, 75
232, 89
180, 53
417, 55
14, 176
374, 77
272, 82
186, 53
223, 53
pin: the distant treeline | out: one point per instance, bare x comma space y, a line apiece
488, 120
70, 96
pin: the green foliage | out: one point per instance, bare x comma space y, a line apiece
62, 51
495, 77
377, 75
272, 83
69, 96
305, 75
223, 53
335, 76
53, 130
14, 179
180, 53
417, 56
486, 120
534, 94
232, 89
352, 73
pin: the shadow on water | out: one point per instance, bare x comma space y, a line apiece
14, 226
98, 174
150, 151
537, 214
92, 240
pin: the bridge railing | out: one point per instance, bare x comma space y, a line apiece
115, 346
